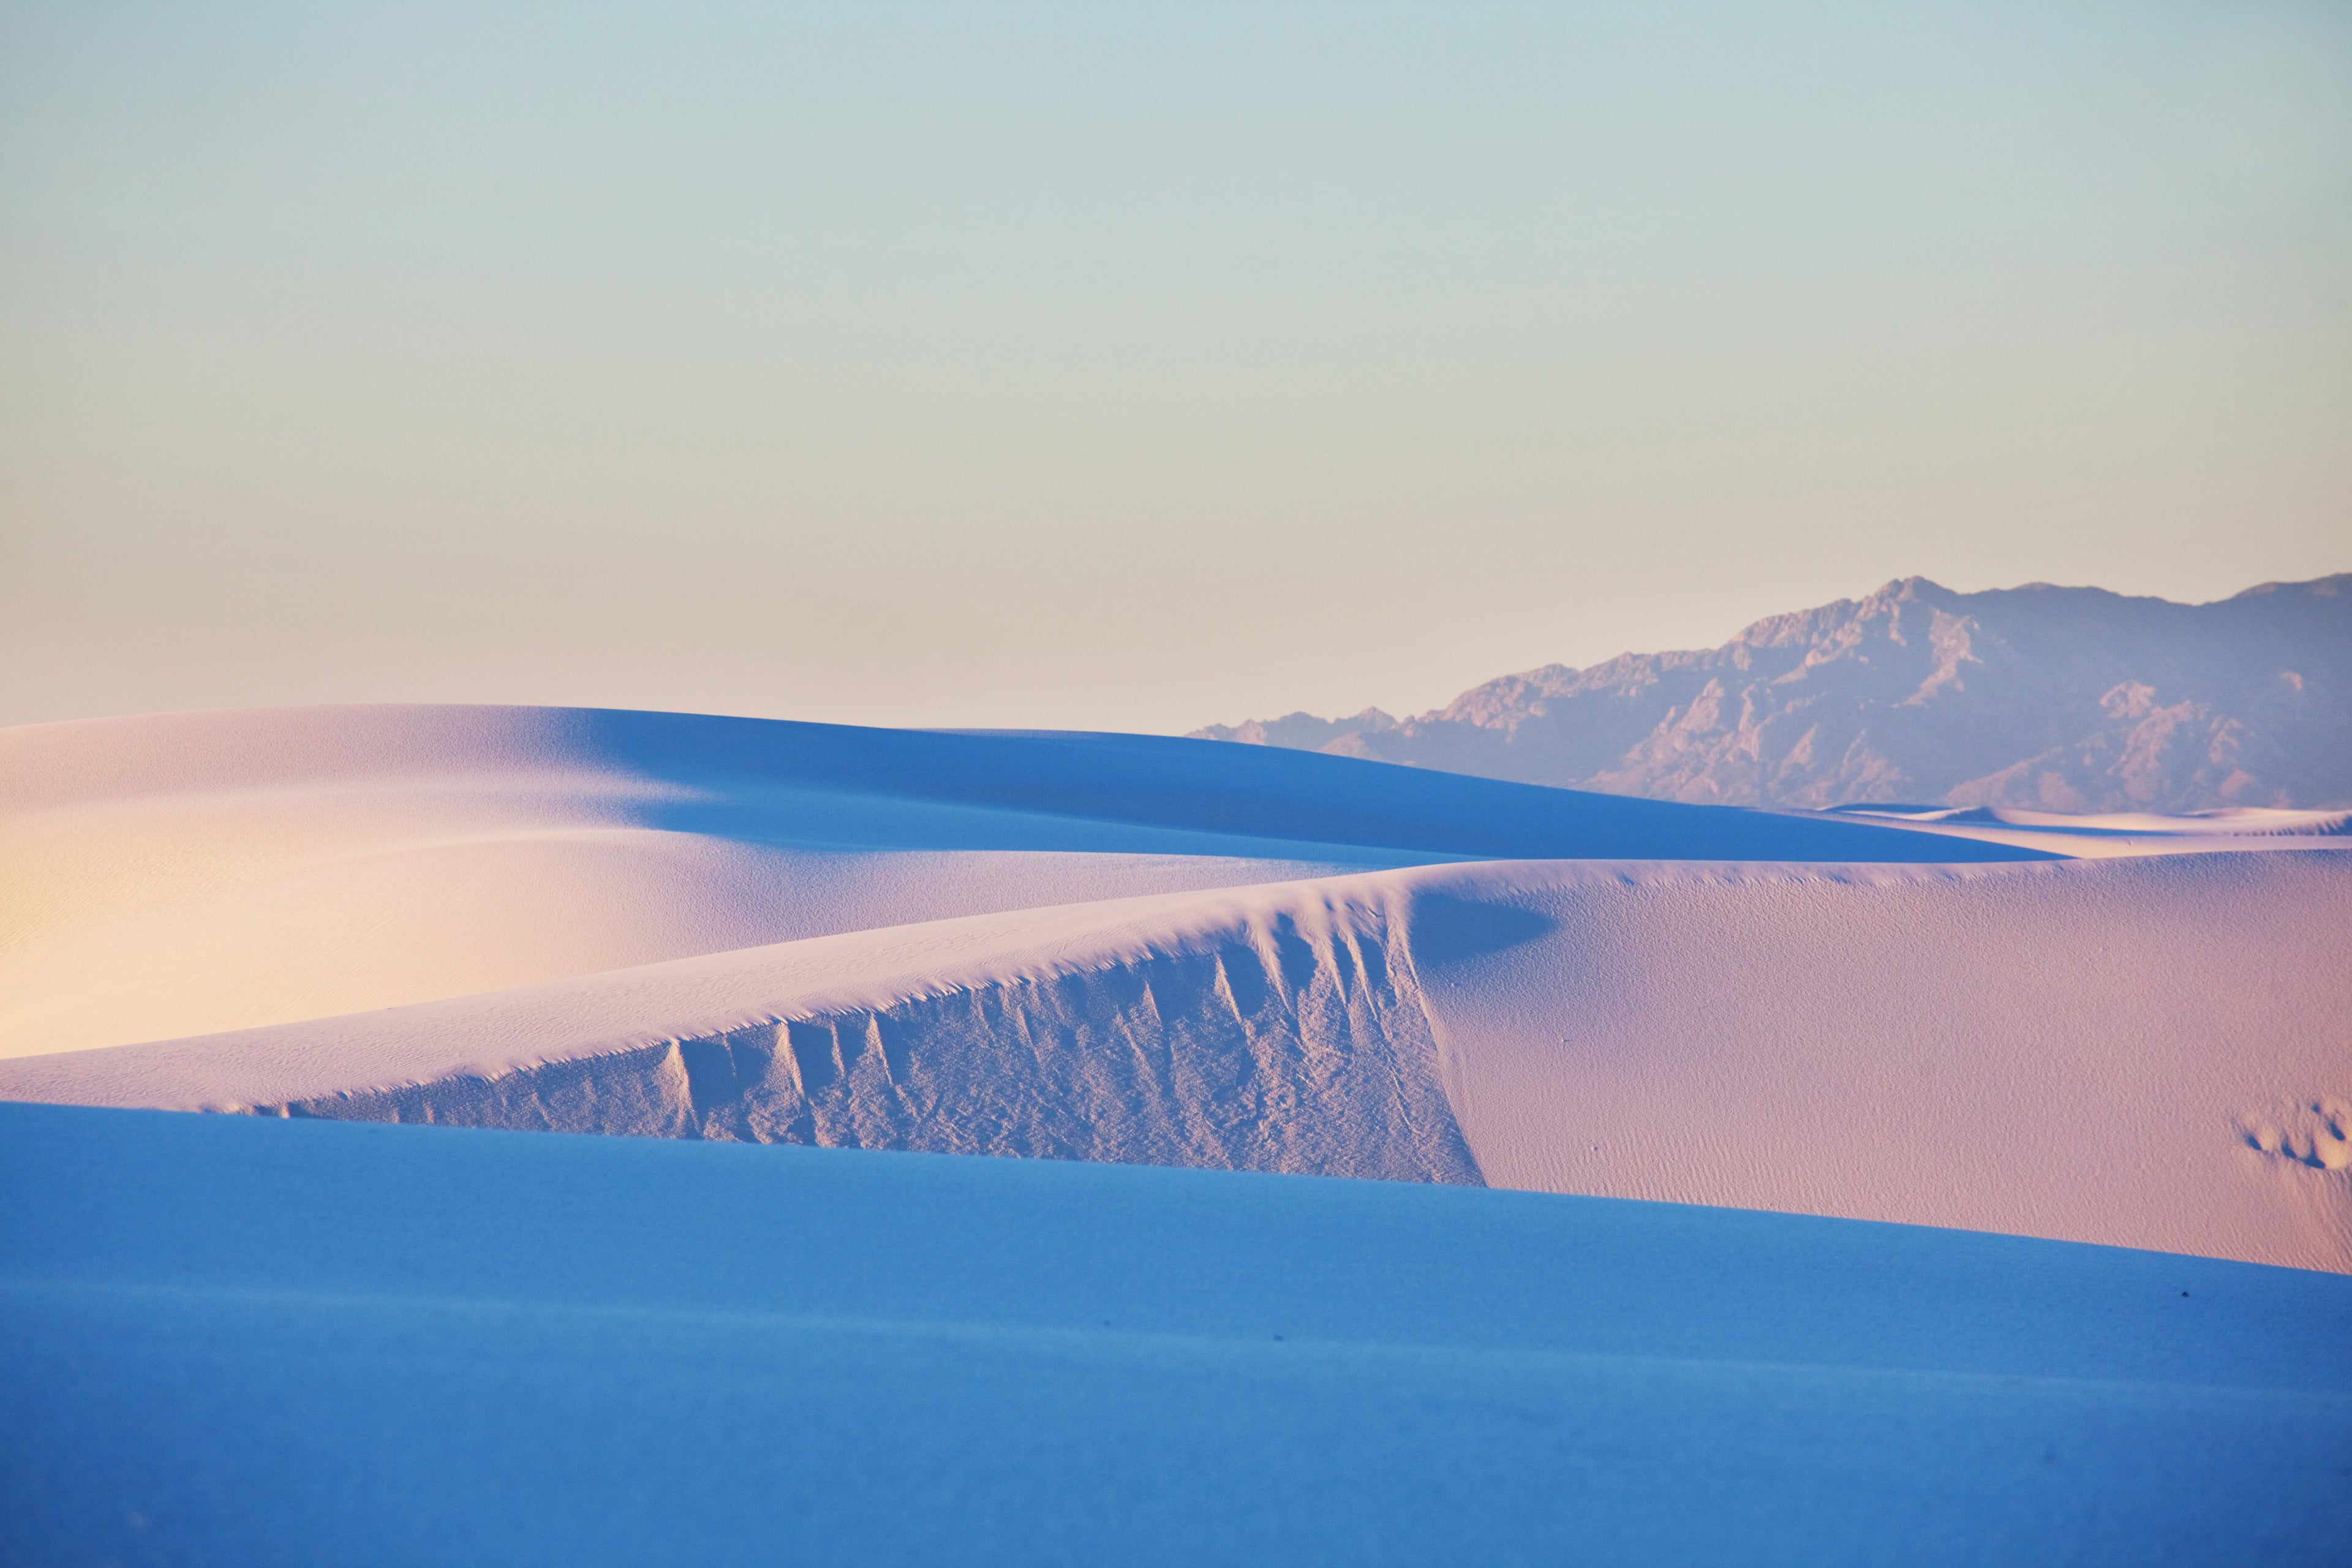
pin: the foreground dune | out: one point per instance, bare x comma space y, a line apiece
1126, 950
229, 1340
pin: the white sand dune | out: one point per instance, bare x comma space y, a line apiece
184, 874
296, 1337
2108, 833
179, 875
235, 1341
1937, 1046
2145, 1051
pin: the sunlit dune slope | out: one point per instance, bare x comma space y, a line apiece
2149, 1053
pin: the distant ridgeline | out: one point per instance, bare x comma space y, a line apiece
2044, 698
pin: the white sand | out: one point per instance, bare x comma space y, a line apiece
514, 917
225, 1340
2090, 1050
274, 1339
189, 873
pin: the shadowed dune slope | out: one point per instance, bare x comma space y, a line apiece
297, 1342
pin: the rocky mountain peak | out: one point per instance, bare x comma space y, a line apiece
2059, 698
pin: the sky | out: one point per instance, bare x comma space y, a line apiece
1127, 366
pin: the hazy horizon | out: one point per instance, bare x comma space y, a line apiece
1041, 366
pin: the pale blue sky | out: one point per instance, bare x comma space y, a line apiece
1126, 366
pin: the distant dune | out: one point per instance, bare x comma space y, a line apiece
2066, 699
2126, 1030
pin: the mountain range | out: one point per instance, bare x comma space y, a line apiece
2043, 698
